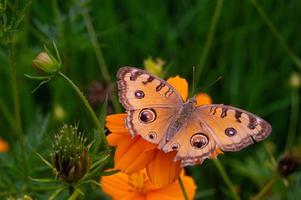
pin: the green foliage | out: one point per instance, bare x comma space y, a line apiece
254, 45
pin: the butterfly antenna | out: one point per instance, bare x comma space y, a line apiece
193, 79
214, 82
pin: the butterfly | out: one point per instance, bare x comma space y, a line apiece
156, 112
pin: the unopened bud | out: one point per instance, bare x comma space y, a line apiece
46, 63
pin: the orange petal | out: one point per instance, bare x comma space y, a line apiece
181, 85
116, 138
173, 191
203, 99
217, 152
117, 186
4, 146
116, 123
162, 170
133, 155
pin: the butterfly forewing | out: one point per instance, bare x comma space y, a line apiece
150, 102
138, 89
233, 128
150, 123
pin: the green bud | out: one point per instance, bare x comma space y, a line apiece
70, 154
46, 63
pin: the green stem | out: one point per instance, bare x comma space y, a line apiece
276, 33
226, 178
99, 56
71, 189
293, 119
74, 195
15, 89
8, 116
17, 106
266, 188
58, 22
115, 101
88, 107
96, 46
209, 39
182, 188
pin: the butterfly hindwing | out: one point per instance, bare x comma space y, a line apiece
193, 143
233, 128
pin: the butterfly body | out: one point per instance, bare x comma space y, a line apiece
157, 113
181, 118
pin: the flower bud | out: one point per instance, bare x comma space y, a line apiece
70, 154
45, 63
154, 66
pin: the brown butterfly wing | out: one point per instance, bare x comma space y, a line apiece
193, 143
152, 128
138, 89
150, 102
216, 126
233, 128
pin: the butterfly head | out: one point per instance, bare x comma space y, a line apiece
192, 100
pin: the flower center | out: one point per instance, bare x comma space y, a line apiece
137, 181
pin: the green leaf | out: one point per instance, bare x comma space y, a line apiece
102, 120
43, 180
21, 15
45, 161
109, 173
39, 77
56, 192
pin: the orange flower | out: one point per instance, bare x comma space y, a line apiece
4, 146
137, 186
134, 154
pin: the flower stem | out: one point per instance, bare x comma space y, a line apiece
73, 193
209, 39
71, 189
99, 56
17, 106
88, 107
9, 117
226, 178
182, 188
15, 90
276, 33
265, 188
293, 119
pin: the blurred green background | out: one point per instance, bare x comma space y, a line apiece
254, 45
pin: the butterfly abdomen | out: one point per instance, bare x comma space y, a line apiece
182, 117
